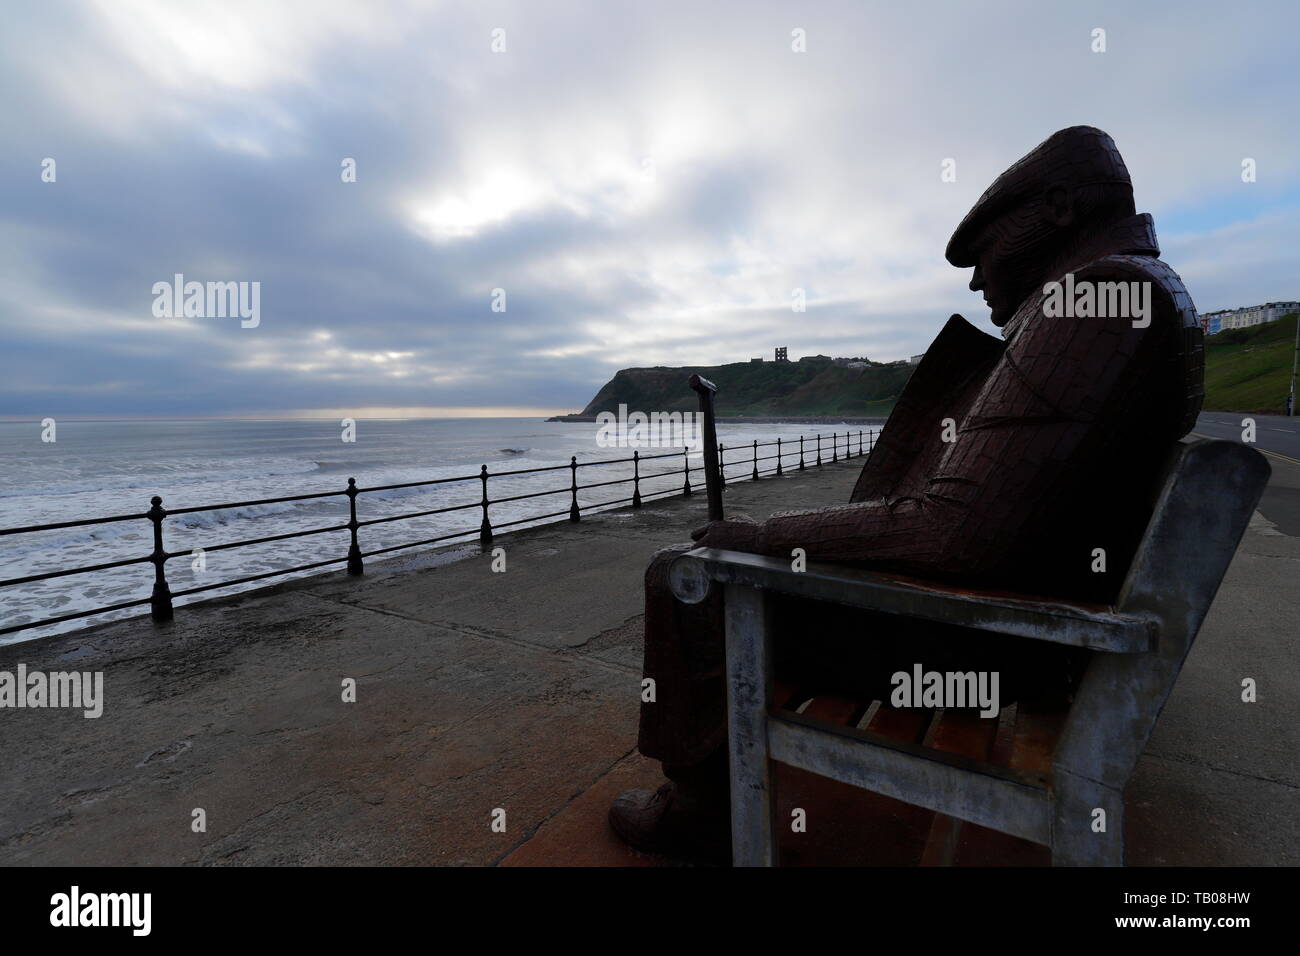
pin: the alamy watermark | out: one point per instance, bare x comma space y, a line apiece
653, 430
957, 689
1098, 300
75, 908
84, 691
208, 300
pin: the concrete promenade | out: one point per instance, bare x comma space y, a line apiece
479, 690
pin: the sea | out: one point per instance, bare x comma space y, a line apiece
95, 469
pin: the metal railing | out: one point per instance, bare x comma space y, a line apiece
841, 446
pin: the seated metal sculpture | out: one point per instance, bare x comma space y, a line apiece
1024, 463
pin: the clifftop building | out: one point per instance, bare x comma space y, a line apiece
783, 356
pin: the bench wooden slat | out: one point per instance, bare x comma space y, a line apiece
963, 732
905, 725
840, 710
1038, 726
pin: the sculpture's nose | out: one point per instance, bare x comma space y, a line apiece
977, 280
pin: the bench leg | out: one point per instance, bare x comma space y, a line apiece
749, 684
1076, 840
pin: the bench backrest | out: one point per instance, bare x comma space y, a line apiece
1209, 493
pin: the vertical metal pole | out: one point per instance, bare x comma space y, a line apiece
636, 479
160, 602
755, 475
1295, 357
722, 473
574, 514
819, 449
712, 463
835, 448
801, 466
686, 472
778, 457
354, 549
484, 529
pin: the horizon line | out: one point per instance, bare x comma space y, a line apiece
364, 414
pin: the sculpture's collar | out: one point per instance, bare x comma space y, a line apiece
1131, 236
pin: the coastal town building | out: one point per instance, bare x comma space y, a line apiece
1246, 316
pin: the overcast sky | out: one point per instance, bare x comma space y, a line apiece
648, 182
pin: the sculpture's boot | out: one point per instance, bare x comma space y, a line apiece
688, 816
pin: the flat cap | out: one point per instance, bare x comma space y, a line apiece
1076, 156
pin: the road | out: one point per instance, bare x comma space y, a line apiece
1278, 437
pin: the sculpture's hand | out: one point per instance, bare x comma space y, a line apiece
738, 533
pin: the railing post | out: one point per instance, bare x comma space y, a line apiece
484, 529
819, 449
160, 602
636, 479
722, 468
835, 447
755, 459
354, 549
801, 453
871, 442
859, 442
778, 457
686, 472
574, 514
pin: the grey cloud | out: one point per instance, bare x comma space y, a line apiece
772, 170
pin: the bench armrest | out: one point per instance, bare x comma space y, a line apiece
1093, 626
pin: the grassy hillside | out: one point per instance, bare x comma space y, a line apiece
772, 388
1246, 370
1249, 370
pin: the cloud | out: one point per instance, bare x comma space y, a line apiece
647, 183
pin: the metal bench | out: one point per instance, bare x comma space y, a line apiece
1138, 647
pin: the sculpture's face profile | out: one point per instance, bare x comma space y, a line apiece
1016, 250
1040, 212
